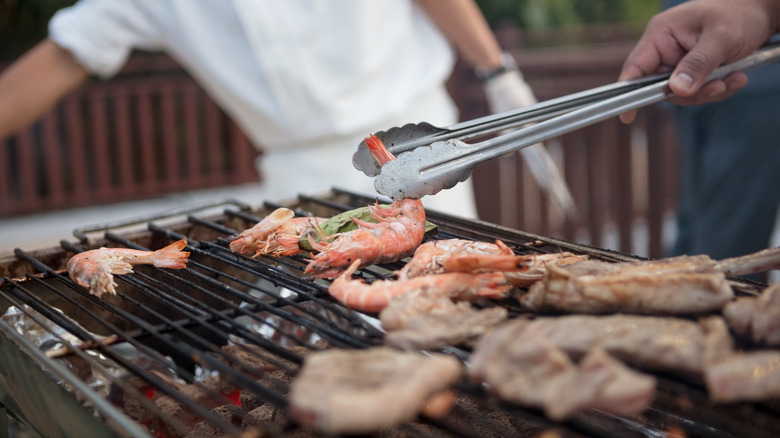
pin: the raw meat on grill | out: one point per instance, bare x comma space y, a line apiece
520, 364
425, 319
362, 391
648, 342
757, 319
678, 285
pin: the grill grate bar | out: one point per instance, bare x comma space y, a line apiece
176, 345
36, 304
122, 384
206, 345
255, 296
304, 289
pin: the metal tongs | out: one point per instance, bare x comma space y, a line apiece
430, 159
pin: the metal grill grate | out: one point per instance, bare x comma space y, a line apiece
152, 361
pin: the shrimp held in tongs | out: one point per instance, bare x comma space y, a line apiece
95, 269
397, 234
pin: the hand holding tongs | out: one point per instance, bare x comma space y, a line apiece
430, 159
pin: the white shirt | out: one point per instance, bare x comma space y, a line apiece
290, 73
306, 80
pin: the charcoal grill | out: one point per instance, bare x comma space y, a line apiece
150, 361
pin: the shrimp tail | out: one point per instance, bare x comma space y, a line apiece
171, 256
378, 150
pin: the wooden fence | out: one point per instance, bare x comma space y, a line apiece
622, 177
152, 131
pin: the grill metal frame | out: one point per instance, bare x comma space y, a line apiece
187, 314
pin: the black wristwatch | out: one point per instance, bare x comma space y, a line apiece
508, 63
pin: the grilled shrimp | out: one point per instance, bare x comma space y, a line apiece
519, 270
95, 269
374, 297
397, 234
428, 258
277, 234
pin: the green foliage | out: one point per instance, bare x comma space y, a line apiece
545, 14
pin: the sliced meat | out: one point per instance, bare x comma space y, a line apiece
520, 364
757, 319
650, 342
563, 289
432, 331
744, 376
424, 319
362, 391
677, 285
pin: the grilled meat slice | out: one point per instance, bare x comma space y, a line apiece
632, 292
677, 285
438, 330
520, 364
757, 319
362, 391
424, 319
738, 376
649, 342
752, 375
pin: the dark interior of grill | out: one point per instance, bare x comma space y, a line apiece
211, 350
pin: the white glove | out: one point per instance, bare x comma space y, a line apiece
506, 92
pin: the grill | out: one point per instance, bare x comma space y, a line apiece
178, 351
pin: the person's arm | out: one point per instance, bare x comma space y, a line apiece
35, 83
696, 37
463, 24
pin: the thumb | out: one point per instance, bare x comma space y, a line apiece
693, 69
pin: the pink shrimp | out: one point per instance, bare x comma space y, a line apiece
428, 258
95, 269
374, 297
276, 235
397, 234
519, 270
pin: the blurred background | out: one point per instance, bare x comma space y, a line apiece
622, 177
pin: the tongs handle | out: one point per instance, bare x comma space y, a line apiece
413, 135
539, 111
427, 170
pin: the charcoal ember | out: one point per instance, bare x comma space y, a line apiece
231, 413
278, 381
132, 403
267, 418
412, 429
175, 410
202, 393
251, 358
487, 419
